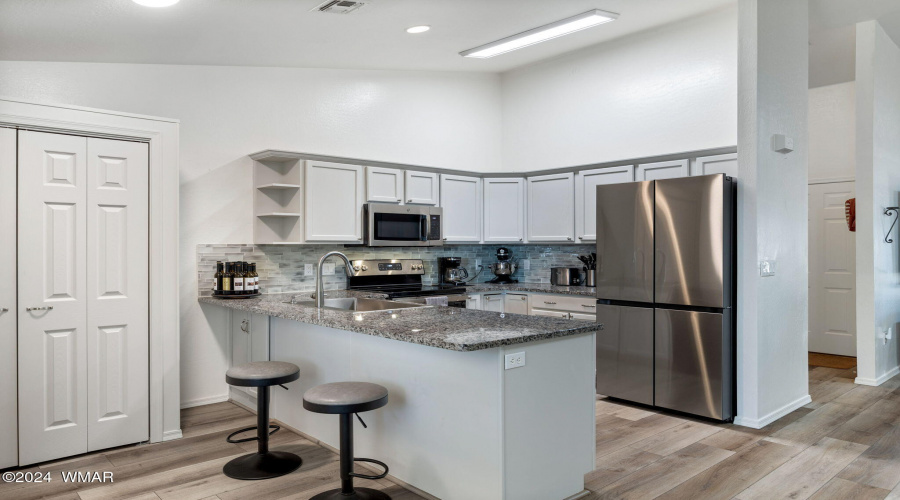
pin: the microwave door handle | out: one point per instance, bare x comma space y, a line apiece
424, 224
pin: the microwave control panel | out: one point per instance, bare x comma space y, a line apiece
435, 233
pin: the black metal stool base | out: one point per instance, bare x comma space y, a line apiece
358, 494
263, 465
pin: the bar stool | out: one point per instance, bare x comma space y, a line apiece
263, 464
346, 399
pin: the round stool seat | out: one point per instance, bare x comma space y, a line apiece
262, 374
345, 397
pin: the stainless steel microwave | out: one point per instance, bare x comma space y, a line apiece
389, 225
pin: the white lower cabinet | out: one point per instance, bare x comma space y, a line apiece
515, 303
564, 306
492, 302
473, 301
249, 342
545, 312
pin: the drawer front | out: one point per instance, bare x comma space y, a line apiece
585, 305
546, 312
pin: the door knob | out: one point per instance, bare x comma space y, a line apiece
45, 308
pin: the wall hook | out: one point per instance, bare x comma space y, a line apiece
895, 212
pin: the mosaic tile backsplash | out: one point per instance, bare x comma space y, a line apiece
281, 267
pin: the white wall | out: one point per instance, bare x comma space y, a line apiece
663, 91
877, 187
832, 132
445, 120
772, 210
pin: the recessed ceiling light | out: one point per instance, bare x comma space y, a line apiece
418, 29
156, 3
541, 34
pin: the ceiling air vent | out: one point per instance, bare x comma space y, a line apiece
340, 6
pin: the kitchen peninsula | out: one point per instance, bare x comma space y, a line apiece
458, 425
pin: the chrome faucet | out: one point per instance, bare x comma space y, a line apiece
320, 288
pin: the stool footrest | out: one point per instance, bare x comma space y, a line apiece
275, 428
373, 461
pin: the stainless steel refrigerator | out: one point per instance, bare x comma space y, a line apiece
665, 293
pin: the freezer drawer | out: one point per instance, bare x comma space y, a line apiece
625, 353
694, 363
625, 242
693, 243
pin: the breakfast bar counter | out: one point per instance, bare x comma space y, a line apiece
482, 405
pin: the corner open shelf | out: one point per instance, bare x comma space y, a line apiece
278, 201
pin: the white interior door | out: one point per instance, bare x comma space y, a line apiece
832, 271
117, 293
52, 245
9, 443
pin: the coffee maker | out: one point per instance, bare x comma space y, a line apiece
451, 272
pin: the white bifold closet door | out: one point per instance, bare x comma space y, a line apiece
83, 272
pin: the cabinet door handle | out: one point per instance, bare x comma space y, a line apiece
45, 308
3, 310
521, 239
569, 238
524, 298
245, 326
588, 305
551, 303
581, 237
409, 200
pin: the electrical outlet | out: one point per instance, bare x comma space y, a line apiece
307, 270
327, 268
885, 335
477, 264
515, 360
767, 268
526, 264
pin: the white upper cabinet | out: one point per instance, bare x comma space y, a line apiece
334, 202
461, 199
504, 210
384, 185
586, 183
421, 188
718, 164
551, 207
662, 170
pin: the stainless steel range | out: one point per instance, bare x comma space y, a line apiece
401, 279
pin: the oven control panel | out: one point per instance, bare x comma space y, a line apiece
387, 267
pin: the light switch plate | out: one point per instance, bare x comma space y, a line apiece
307, 270
327, 268
526, 264
515, 360
767, 268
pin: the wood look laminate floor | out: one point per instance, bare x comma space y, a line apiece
843, 445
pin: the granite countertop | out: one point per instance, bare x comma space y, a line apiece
443, 327
587, 291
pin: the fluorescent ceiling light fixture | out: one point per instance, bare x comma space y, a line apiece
542, 34
156, 3
418, 29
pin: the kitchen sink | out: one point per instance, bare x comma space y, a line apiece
360, 305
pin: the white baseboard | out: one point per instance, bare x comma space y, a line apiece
759, 423
172, 435
880, 380
204, 401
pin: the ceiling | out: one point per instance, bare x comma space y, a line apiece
285, 33
832, 35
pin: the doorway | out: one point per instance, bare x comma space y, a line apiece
832, 273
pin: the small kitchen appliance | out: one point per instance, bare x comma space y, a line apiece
565, 276
401, 279
451, 272
504, 268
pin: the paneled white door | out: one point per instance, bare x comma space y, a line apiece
117, 293
83, 263
9, 442
551, 207
504, 210
52, 267
422, 188
334, 202
832, 271
384, 185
